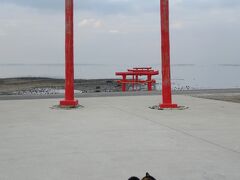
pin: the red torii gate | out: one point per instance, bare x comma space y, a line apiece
69, 100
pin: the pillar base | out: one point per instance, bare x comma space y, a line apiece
69, 103
168, 106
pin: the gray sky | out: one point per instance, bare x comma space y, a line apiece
120, 31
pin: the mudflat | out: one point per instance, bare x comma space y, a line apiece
17, 86
44, 88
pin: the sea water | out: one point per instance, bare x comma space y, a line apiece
184, 76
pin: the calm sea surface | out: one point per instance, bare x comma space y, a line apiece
183, 75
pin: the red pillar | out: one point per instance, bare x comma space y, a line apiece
69, 57
149, 79
166, 73
124, 83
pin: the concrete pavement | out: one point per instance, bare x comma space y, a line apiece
113, 138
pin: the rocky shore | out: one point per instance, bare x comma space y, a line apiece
48, 86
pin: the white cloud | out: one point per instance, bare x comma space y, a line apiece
113, 31
2, 33
176, 2
90, 23
177, 25
98, 24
